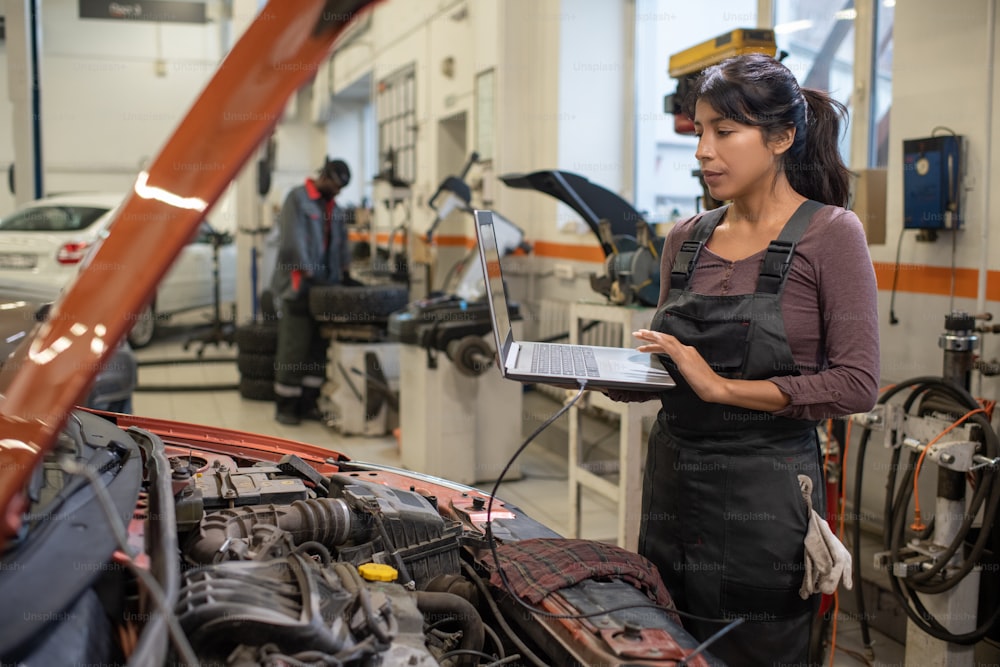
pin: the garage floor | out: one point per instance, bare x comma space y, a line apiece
541, 491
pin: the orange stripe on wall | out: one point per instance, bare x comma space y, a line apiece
923, 279
913, 278
454, 241
381, 237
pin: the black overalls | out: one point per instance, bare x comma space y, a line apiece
722, 515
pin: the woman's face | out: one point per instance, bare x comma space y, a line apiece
735, 159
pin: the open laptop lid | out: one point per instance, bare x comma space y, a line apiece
489, 256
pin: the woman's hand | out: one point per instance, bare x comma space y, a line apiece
705, 382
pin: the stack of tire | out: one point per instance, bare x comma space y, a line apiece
257, 344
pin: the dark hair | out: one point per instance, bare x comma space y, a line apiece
755, 89
337, 170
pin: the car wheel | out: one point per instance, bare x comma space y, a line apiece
257, 366
357, 305
255, 389
143, 329
257, 339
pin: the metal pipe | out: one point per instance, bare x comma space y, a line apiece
984, 227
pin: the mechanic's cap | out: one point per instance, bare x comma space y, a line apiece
377, 572
337, 170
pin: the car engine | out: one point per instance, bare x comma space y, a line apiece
213, 550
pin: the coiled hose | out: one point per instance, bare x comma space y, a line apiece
931, 581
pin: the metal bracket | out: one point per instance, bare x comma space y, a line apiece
955, 455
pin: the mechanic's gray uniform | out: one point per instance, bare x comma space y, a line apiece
301, 357
723, 518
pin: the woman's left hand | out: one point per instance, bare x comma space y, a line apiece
697, 373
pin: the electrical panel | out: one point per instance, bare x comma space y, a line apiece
932, 182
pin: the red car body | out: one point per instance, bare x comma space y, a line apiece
236, 543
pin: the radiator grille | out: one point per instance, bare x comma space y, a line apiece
553, 319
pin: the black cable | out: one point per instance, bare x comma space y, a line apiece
943, 128
166, 388
185, 360
547, 614
895, 279
895, 510
708, 642
859, 595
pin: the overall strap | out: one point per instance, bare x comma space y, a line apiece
777, 260
687, 256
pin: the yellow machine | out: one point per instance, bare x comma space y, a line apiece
686, 65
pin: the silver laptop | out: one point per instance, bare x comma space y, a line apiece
553, 363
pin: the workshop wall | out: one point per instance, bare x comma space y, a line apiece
940, 78
112, 92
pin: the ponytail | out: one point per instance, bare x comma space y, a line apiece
813, 166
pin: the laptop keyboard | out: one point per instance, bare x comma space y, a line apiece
568, 360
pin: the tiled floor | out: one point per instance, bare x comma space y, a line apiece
541, 491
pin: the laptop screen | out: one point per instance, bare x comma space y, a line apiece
489, 254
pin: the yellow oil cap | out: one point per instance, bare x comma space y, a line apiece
377, 572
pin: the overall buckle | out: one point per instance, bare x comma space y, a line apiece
684, 263
774, 268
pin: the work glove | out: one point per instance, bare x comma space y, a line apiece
827, 560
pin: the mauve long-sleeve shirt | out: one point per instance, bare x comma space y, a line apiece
829, 307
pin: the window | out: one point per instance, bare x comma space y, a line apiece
878, 140
396, 103
818, 36
52, 219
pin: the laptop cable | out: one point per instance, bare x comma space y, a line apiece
490, 540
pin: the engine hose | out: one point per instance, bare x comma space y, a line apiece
895, 511
453, 606
498, 615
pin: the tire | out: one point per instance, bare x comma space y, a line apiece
144, 328
357, 305
255, 389
256, 366
256, 338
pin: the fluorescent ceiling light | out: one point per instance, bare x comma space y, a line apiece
792, 26
888, 3
846, 15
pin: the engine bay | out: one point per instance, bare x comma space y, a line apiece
242, 552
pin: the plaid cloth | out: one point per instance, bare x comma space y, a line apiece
540, 566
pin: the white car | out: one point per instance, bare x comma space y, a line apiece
44, 243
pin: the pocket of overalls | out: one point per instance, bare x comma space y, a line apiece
766, 520
722, 342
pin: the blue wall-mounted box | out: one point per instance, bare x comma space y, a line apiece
933, 170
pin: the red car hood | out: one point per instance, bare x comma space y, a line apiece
244, 100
